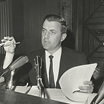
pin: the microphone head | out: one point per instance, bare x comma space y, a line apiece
38, 65
19, 62
38, 61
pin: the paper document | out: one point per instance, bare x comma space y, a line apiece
22, 89
90, 98
53, 94
73, 78
34, 91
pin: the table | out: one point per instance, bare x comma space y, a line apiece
11, 97
50, 93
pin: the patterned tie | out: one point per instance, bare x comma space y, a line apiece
51, 76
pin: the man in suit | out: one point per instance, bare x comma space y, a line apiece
53, 34
69, 59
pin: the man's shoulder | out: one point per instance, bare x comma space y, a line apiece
71, 51
76, 56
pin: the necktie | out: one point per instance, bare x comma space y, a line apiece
51, 76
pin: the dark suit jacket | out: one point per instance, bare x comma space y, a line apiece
69, 59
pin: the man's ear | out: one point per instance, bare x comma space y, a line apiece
63, 37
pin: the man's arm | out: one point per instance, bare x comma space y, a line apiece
9, 45
8, 59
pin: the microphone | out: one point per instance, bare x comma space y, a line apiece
18, 62
38, 66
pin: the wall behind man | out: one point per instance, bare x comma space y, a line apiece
32, 12
27, 21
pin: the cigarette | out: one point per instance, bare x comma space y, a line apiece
17, 43
8, 44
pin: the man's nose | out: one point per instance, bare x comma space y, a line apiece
47, 35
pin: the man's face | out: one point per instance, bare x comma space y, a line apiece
51, 35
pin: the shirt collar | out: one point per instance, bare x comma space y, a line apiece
55, 54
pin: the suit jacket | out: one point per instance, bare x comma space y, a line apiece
69, 59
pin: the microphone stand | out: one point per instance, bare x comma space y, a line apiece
10, 83
41, 87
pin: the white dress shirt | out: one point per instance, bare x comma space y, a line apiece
56, 63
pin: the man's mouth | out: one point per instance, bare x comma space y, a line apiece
46, 41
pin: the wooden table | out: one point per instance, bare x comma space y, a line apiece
10, 97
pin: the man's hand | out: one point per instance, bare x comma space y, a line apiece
88, 88
9, 44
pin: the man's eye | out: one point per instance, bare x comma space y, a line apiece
43, 31
52, 32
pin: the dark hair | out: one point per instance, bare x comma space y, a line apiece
57, 18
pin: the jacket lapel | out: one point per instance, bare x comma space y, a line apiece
62, 66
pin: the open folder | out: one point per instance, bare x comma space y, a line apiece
73, 78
